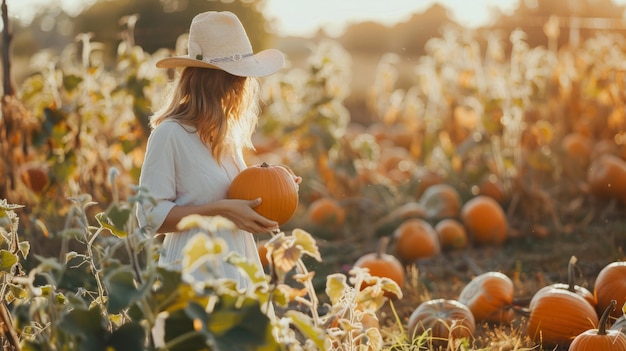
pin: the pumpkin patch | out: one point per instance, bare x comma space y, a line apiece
449, 175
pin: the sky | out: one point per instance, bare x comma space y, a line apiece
305, 17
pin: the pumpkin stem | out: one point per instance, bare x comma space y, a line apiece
605, 318
264, 164
570, 273
383, 243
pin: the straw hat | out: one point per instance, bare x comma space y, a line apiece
218, 40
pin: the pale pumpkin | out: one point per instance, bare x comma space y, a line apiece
620, 324
441, 201
490, 297
445, 320
274, 184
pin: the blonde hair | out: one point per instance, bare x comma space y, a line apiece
222, 107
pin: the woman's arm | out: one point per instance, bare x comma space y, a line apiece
240, 212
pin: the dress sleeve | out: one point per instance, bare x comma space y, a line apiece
158, 178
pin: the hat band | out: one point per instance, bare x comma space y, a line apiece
231, 58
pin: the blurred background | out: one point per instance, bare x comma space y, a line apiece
366, 29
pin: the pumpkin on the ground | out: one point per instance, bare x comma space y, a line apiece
441, 201
490, 297
415, 239
610, 284
274, 184
452, 234
446, 320
326, 212
485, 220
492, 186
600, 338
570, 286
557, 316
382, 264
606, 177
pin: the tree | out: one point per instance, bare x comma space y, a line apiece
160, 23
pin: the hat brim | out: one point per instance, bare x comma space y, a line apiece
262, 64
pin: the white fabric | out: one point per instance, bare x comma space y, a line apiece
180, 170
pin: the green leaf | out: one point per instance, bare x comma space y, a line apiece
8, 260
71, 82
241, 325
87, 326
180, 334
119, 216
115, 220
129, 337
122, 289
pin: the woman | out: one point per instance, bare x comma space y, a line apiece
196, 146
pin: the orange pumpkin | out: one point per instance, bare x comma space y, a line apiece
570, 286
382, 264
274, 184
577, 148
262, 250
489, 296
446, 319
452, 234
35, 177
610, 285
600, 338
485, 220
423, 179
441, 201
491, 186
415, 239
607, 177
326, 212
557, 316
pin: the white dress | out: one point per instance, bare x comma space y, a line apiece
179, 169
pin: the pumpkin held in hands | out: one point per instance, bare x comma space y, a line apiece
275, 184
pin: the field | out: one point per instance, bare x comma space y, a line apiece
388, 140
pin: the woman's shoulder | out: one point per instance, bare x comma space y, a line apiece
169, 128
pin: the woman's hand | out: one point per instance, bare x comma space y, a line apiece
242, 213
